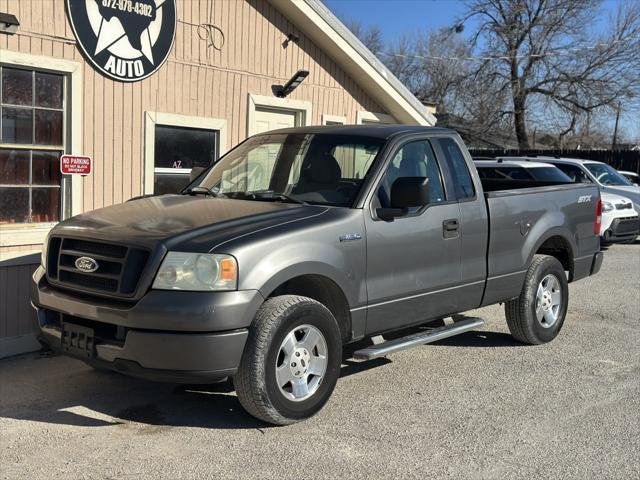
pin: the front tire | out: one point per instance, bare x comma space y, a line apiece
537, 315
291, 362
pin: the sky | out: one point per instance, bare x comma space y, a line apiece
398, 17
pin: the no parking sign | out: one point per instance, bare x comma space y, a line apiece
75, 165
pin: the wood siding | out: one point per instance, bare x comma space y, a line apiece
17, 318
196, 80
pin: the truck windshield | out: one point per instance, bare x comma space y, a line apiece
298, 167
606, 174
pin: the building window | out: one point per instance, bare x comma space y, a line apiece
333, 119
177, 150
363, 118
32, 139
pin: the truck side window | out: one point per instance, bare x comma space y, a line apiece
414, 159
458, 166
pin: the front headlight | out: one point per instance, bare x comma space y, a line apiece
607, 206
197, 271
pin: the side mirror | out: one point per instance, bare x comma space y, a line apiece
195, 173
406, 193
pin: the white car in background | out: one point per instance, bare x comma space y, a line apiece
620, 222
590, 171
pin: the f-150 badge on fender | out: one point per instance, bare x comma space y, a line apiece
584, 198
127, 40
350, 237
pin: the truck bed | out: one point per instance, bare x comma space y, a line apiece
525, 215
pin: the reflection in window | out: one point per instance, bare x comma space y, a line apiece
17, 125
31, 143
354, 159
177, 151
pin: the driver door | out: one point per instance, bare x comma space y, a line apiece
413, 261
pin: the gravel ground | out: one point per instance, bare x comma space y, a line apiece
474, 406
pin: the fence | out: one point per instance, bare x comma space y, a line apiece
618, 159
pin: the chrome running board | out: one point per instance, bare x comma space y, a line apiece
420, 338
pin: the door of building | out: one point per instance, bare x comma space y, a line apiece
271, 119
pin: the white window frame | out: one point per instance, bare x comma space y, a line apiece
333, 118
34, 234
174, 120
374, 117
301, 108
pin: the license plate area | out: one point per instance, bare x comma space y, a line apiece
77, 340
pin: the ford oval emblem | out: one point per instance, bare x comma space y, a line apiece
86, 264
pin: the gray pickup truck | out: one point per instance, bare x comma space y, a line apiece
301, 241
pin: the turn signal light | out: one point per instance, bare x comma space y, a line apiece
228, 270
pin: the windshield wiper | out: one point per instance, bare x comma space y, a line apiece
271, 195
203, 191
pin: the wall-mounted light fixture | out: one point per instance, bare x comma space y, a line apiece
284, 90
8, 23
291, 38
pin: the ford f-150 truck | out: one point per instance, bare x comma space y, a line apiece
300, 241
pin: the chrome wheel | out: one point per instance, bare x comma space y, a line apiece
548, 301
301, 363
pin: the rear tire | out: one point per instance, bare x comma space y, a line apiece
537, 315
291, 362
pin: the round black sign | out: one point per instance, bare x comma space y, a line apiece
127, 40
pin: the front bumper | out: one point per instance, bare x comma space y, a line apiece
183, 337
622, 229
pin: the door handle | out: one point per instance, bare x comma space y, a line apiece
450, 228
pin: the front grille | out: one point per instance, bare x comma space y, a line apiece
89, 281
119, 267
623, 206
626, 226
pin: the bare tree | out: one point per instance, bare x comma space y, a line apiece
542, 51
370, 36
438, 68
431, 65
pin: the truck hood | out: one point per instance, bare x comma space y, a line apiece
176, 220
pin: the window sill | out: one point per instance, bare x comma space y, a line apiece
12, 235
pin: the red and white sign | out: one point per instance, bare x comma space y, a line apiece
75, 165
